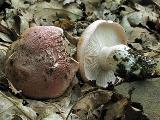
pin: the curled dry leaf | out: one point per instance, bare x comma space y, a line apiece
157, 2
50, 111
142, 18
132, 113
91, 5
4, 38
12, 108
65, 24
22, 4
53, 116
18, 23
18, 17
53, 109
3, 51
49, 12
87, 104
143, 37
147, 93
21, 24
71, 39
107, 9
41, 13
13, 89
138, 18
68, 2
136, 46
116, 110
113, 5
7, 35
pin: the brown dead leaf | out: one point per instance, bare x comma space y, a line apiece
157, 2
11, 107
136, 46
85, 106
65, 24
143, 37
133, 113
71, 39
68, 2
46, 13
10, 33
116, 110
14, 90
3, 51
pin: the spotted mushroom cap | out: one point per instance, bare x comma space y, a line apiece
97, 35
38, 63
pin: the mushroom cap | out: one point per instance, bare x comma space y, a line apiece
97, 35
38, 63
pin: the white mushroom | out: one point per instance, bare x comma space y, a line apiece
102, 52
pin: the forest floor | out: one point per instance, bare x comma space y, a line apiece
130, 101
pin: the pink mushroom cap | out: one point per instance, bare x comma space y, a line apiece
39, 64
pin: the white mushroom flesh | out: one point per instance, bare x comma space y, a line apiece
102, 53
105, 35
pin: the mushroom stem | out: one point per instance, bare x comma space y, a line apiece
126, 63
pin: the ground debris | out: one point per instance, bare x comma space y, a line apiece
141, 21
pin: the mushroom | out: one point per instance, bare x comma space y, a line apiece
102, 53
38, 63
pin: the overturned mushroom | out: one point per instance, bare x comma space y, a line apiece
38, 63
102, 53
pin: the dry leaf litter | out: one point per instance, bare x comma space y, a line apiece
141, 21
